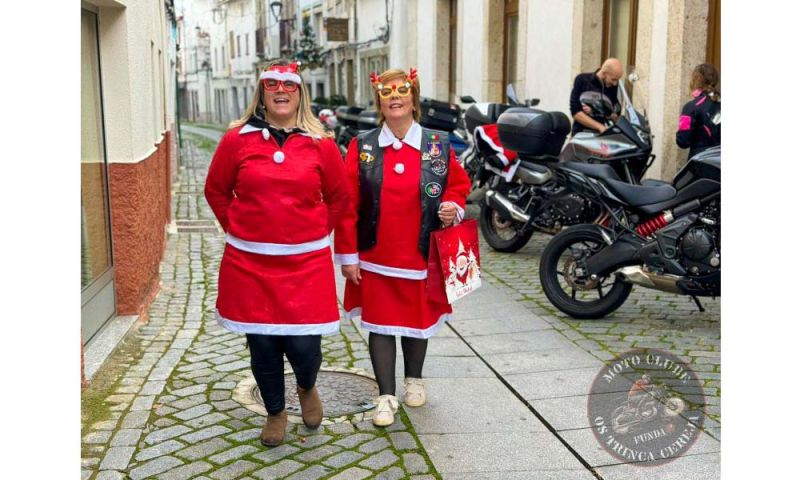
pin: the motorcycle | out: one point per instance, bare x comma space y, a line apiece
658, 235
531, 197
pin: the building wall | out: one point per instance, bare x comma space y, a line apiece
136, 58
548, 67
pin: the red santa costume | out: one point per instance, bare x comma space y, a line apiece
391, 297
487, 140
278, 206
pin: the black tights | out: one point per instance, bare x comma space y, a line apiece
383, 353
266, 359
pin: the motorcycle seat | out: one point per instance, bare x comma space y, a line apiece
638, 195
594, 170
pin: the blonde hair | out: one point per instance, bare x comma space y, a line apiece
397, 74
306, 120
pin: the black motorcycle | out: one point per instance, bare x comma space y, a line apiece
660, 235
535, 199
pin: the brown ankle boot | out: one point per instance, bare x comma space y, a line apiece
311, 406
274, 430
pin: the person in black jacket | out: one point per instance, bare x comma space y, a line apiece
699, 126
603, 80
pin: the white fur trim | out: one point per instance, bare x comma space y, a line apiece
345, 258
278, 329
404, 331
282, 76
278, 248
506, 174
394, 271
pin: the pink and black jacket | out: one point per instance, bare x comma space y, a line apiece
700, 124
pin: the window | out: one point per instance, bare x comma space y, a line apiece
320, 89
222, 65
238, 45
619, 31
247, 44
232, 45
216, 59
510, 24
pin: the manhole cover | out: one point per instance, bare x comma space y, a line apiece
342, 393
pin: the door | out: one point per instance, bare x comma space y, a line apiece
97, 267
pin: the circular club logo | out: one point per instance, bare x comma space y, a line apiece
646, 407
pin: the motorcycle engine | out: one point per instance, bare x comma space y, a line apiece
564, 209
700, 245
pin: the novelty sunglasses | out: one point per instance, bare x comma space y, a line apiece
271, 85
402, 90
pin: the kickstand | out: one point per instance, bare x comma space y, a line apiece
699, 305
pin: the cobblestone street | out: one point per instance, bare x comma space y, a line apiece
507, 380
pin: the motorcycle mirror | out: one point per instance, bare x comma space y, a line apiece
512, 96
532, 102
467, 99
633, 77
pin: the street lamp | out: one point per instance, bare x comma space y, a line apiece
276, 8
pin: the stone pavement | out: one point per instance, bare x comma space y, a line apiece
507, 381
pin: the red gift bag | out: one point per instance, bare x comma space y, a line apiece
454, 262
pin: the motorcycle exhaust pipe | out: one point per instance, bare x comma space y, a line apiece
663, 282
505, 207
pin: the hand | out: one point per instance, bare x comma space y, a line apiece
352, 273
586, 109
447, 214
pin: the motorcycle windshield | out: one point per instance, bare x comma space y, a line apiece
638, 120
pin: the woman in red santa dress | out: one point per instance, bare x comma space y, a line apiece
276, 184
404, 182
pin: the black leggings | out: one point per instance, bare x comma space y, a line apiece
383, 353
266, 359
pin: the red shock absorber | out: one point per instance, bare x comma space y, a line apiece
655, 224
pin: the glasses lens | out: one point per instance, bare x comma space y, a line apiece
290, 86
403, 90
270, 84
385, 92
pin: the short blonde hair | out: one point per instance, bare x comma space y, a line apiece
306, 119
397, 74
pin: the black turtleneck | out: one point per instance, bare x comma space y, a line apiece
280, 134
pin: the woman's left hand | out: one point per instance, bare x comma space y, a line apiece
447, 214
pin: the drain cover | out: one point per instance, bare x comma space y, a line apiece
342, 393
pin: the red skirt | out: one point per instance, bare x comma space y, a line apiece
394, 306
277, 294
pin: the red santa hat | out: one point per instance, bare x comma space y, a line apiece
282, 73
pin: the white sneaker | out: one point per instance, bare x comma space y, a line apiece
384, 412
415, 392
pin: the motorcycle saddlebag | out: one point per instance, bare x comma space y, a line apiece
367, 120
532, 132
483, 114
438, 115
348, 115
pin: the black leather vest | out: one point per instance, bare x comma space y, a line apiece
434, 158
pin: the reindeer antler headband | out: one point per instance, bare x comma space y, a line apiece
409, 80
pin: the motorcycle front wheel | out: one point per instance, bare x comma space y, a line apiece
501, 234
565, 287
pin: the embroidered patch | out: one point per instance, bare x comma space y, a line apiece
426, 156
435, 149
367, 146
366, 157
433, 189
439, 166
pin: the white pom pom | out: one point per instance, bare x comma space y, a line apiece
278, 157
397, 145
399, 168
265, 133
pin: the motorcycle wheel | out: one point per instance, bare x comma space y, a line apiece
502, 235
577, 296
